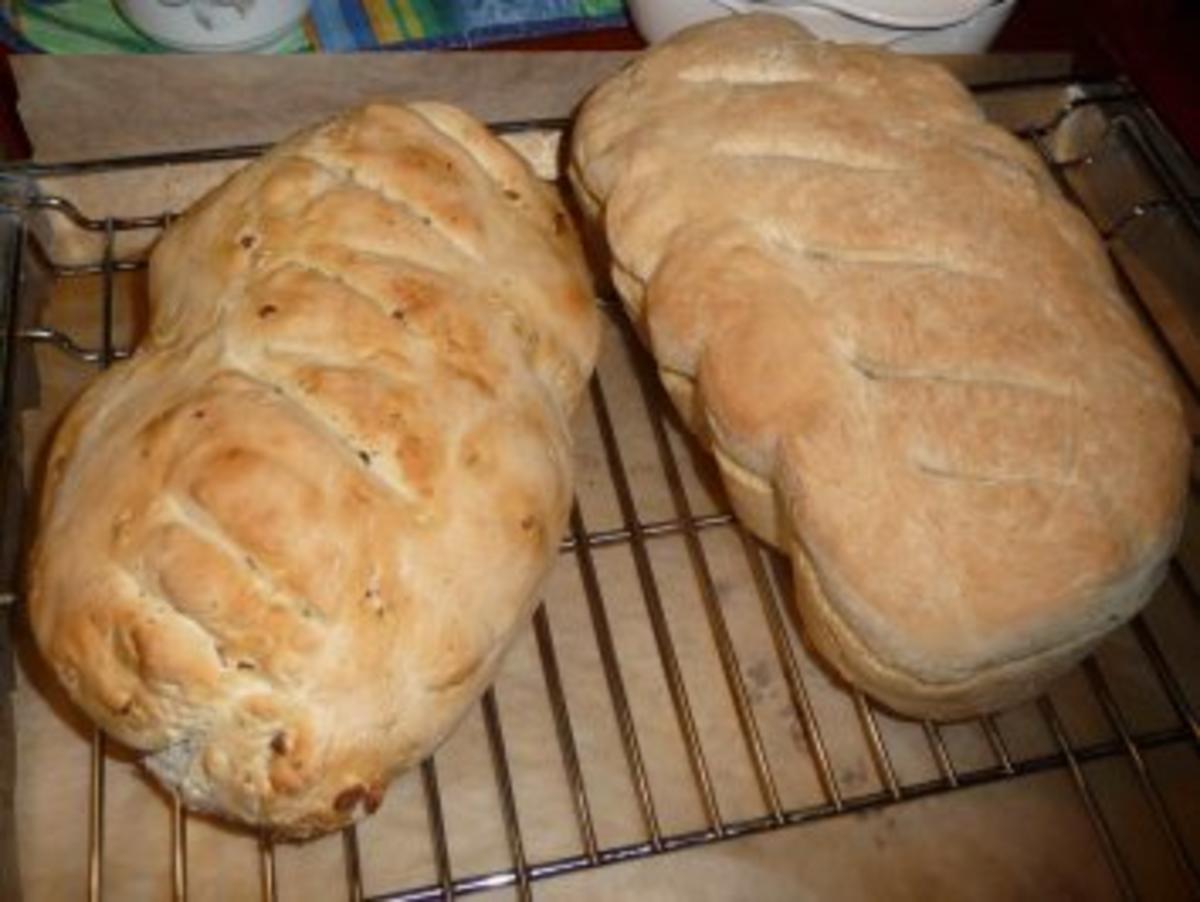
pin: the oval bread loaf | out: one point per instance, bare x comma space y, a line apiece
282, 549
906, 350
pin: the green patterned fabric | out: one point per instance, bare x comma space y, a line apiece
95, 26
372, 24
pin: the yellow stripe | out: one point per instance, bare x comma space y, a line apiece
412, 22
310, 32
383, 23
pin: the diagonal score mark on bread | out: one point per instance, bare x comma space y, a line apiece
906, 350
876, 371
203, 526
405, 206
283, 548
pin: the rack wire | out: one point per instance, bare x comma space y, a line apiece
1127, 128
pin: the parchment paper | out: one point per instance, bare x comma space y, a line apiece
86, 107
80, 107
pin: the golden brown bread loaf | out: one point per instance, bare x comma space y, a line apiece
283, 548
906, 350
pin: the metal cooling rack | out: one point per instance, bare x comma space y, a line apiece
1088, 128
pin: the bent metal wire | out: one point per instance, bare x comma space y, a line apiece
1129, 123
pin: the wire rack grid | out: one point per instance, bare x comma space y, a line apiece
689, 526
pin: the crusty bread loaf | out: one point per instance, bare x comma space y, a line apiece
282, 549
905, 348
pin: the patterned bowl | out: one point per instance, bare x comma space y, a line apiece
208, 26
911, 26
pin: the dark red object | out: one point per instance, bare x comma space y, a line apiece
1156, 43
14, 145
601, 39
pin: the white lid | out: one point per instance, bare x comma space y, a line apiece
894, 13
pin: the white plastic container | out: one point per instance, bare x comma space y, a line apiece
912, 26
210, 26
